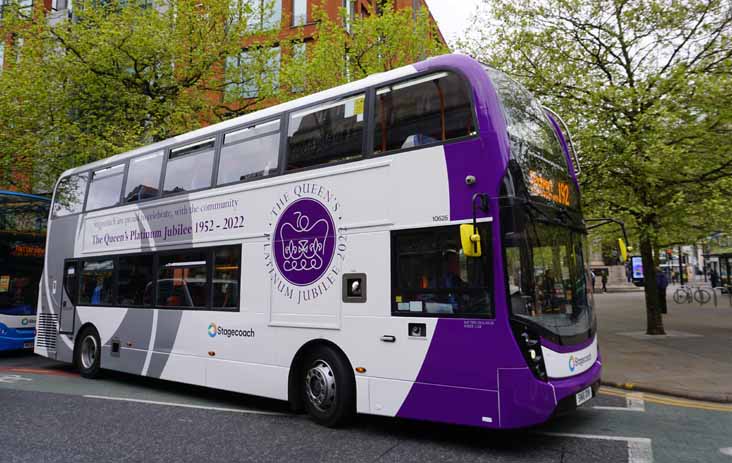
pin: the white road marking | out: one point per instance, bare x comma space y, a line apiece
176, 404
12, 379
726, 451
639, 448
634, 401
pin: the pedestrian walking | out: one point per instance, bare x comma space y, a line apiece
604, 282
661, 285
714, 278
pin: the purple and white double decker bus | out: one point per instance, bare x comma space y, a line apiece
409, 245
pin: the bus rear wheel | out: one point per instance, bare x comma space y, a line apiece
88, 353
329, 388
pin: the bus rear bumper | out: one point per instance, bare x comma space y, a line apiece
12, 339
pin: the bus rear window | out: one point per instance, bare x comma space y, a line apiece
69, 197
105, 188
143, 177
250, 153
189, 168
332, 132
183, 279
97, 282
422, 111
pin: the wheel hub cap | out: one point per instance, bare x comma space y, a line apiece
88, 352
320, 385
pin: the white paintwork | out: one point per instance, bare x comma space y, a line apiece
387, 396
558, 364
106, 324
18, 321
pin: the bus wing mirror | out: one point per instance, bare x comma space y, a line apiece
470, 240
623, 250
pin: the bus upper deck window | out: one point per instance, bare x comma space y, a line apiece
422, 111
143, 177
250, 153
189, 167
69, 197
328, 133
105, 187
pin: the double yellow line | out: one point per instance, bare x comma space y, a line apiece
667, 400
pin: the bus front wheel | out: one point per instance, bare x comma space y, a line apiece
88, 353
329, 389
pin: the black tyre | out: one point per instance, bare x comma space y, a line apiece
702, 296
88, 352
329, 388
680, 296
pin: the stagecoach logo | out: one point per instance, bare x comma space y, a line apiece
575, 362
306, 250
214, 329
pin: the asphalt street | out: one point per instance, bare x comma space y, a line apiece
50, 414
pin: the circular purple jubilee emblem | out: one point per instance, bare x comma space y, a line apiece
304, 241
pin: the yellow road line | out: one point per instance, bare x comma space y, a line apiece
667, 400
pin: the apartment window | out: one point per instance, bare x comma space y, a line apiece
69, 197
260, 14
299, 56
422, 111
2, 50
143, 177
97, 282
135, 280
183, 279
105, 187
433, 277
250, 153
328, 133
350, 7
247, 71
189, 167
299, 12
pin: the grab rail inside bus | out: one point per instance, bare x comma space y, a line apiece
570, 142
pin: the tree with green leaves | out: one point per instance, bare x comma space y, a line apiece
119, 75
346, 48
122, 74
646, 87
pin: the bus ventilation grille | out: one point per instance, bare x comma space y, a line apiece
47, 329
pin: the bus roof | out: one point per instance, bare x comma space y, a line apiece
374, 79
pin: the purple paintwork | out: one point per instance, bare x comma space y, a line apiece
473, 372
566, 349
471, 157
569, 386
304, 241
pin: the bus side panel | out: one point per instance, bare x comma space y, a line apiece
62, 233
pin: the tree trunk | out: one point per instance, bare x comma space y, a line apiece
654, 322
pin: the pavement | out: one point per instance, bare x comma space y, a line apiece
693, 360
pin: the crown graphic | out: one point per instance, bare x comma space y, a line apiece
303, 244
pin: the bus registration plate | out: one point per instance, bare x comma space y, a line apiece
584, 395
27, 345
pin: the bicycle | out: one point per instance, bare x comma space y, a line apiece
686, 294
